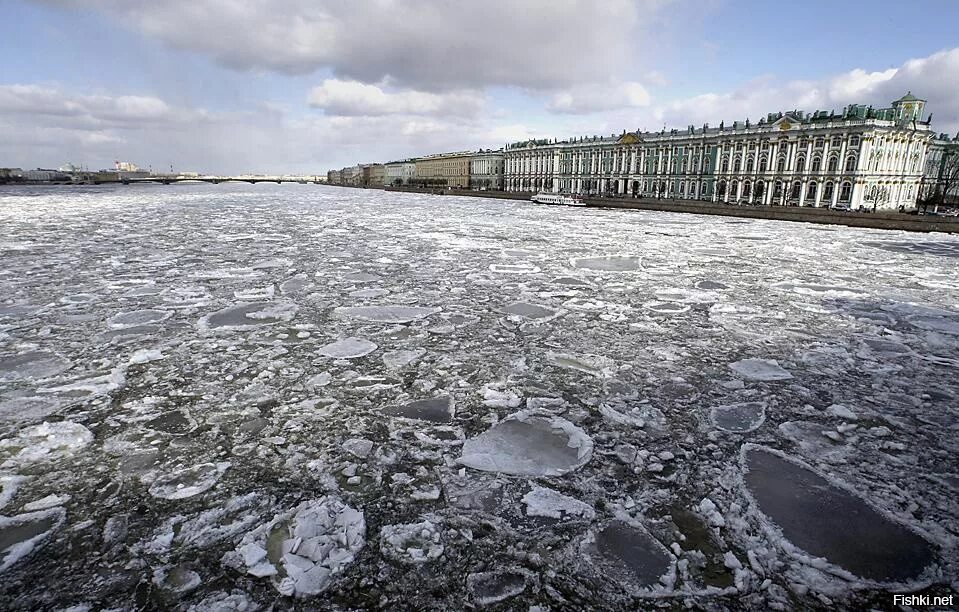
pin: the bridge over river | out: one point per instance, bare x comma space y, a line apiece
216, 179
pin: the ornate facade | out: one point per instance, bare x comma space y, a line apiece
863, 157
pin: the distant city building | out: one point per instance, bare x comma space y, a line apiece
377, 175
444, 170
9, 175
348, 175
121, 166
333, 177
400, 173
68, 167
863, 157
45, 175
486, 170
941, 176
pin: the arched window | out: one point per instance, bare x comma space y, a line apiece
759, 189
851, 163
797, 188
762, 164
845, 192
800, 164
816, 164
721, 188
738, 165
811, 192
833, 164
734, 189
725, 164
827, 191
781, 164
749, 164
746, 186
778, 189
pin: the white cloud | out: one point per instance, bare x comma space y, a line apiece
82, 110
352, 98
591, 98
932, 78
47, 126
420, 44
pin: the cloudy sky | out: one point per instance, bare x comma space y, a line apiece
305, 85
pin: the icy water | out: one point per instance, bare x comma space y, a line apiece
243, 397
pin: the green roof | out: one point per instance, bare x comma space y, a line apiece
908, 98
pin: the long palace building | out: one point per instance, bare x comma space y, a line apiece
863, 157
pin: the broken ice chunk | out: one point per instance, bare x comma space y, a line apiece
358, 447
412, 543
838, 410
326, 537
760, 369
544, 502
49, 501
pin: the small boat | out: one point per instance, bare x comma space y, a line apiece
557, 198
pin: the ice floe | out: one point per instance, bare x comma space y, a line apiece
825, 519
385, 314
254, 314
739, 418
395, 360
47, 441
608, 263
632, 555
435, 409
20, 535
134, 318
760, 369
32, 365
529, 311
189, 481
347, 348
492, 587
527, 445
597, 365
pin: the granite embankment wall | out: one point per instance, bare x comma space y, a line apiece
877, 220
